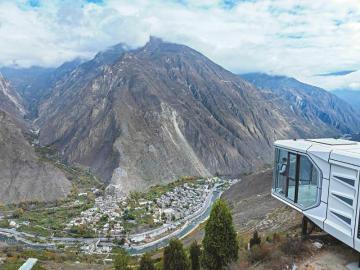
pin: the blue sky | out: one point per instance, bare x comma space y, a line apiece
305, 39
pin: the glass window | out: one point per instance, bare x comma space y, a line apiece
296, 178
308, 183
280, 171
291, 177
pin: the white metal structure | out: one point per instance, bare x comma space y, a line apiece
320, 178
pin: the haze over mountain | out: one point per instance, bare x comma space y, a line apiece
164, 110
350, 96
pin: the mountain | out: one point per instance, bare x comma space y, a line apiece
316, 107
34, 83
23, 176
164, 111
10, 101
350, 96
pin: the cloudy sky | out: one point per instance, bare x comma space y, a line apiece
316, 41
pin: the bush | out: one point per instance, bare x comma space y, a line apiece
255, 240
293, 246
259, 253
276, 238
4, 223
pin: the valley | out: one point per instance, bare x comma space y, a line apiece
96, 223
132, 148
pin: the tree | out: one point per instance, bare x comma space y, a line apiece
146, 263
122, 260
175, 257
195, 253
255, 240
220, 243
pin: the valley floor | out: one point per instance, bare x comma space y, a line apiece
253, 208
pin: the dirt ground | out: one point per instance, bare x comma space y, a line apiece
253, 207
73, 266
332, 257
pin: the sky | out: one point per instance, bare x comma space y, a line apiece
315, 41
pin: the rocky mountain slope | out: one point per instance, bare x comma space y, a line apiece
350, 96
11, 102
164, 111
35, 83
305, 105
23, 176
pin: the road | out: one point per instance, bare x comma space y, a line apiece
11, 236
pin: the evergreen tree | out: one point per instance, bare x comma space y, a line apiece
122, 260
220, 243
255, 240
146, 263
195, 253
175, 257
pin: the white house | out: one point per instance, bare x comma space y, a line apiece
320, 178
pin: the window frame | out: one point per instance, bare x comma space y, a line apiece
297, 179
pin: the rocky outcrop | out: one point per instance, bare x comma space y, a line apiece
23, 177
11, 102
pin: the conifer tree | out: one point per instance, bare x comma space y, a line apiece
122, 260
195, 253
220, 244
146, 263
175, 257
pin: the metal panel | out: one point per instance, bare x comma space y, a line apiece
341, 214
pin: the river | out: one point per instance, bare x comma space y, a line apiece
188, 227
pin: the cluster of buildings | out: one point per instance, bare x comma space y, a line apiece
169, 212
104, 218
182, 201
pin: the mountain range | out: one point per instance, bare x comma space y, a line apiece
350, 96
138, 117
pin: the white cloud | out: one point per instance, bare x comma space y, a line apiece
295, 38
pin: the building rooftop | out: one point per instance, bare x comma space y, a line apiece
336, 149
29, 264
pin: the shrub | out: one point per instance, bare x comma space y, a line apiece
255, 240
259, 253
293, 246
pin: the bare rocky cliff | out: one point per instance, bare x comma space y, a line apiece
23, 177
164, 111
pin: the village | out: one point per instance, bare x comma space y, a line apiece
111, 214
136, 221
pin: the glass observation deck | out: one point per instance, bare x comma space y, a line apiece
296, 179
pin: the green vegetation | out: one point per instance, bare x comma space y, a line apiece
81, 178
255, 240
146, 263
220, 241
50, 218
195, 253
122, 260
175, 257
4, 223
